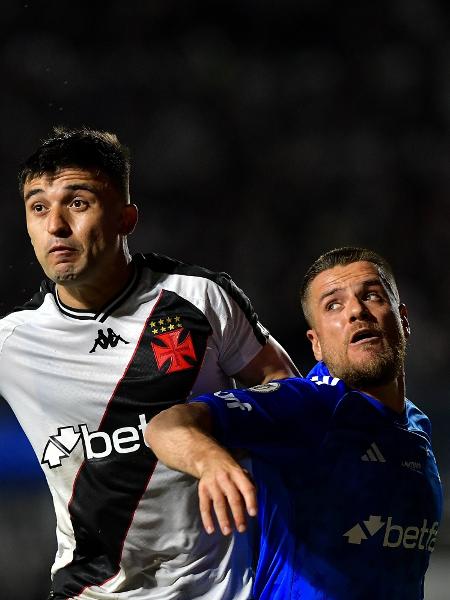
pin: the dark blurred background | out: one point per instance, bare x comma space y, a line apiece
262, 134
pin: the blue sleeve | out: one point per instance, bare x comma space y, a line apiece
290, 412
417, 419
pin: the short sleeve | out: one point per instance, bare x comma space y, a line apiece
239, 336
277, 414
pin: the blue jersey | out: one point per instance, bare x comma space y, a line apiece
349, 493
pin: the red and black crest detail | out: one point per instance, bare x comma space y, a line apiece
174, 350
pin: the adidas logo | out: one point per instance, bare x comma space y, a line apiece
373, 454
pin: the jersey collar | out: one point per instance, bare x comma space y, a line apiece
112, 305
320, 372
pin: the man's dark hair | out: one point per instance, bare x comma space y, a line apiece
342, 257
84, 148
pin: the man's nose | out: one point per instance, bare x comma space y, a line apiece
357, 310
57, 224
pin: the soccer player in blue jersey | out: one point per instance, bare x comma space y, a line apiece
347, 489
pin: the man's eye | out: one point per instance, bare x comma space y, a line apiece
373, 296
332, 305
78, 203
38, 208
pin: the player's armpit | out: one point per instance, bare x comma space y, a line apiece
271, 362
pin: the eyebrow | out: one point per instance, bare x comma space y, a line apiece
334, 290
71, 187
32, 193
328, 293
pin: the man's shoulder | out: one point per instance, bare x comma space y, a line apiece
26, 311
292, 396
319, 393
160, 263
417, 420
204, 287
37, 299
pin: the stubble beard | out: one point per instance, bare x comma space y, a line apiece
380, 367
64, 276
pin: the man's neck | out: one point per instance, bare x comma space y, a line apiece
391, 395
94, 295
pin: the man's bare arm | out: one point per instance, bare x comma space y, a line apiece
181, 438
272, 362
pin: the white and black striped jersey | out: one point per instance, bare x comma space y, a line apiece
83, 385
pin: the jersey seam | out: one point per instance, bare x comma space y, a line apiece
13, 330
8, 336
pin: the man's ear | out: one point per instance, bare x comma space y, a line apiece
404, 320
312, 337
129, 219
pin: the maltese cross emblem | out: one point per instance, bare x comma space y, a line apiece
169, 350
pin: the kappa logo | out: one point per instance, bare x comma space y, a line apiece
96, 444
410, 538
107, 341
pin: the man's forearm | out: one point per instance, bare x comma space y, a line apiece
180, 438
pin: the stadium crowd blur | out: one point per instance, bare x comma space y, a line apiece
262, 133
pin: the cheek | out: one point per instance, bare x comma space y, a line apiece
35, 239
332, 333
393, 326
333, 326
87, 233
99, 240
30, 231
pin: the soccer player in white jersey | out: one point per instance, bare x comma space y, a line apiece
348, 489
107, 343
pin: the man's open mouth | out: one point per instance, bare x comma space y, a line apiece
365, 335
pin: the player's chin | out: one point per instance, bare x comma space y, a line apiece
363, 354
366, 361
64, 274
